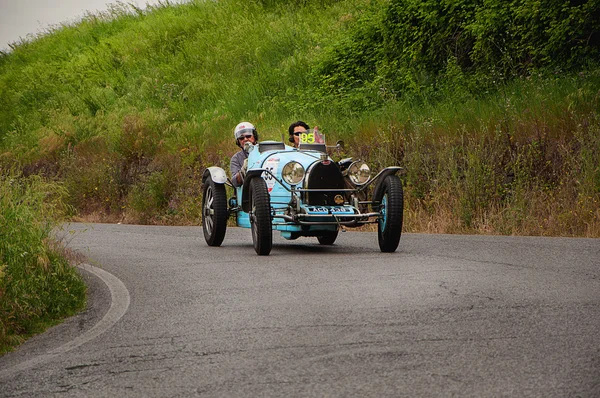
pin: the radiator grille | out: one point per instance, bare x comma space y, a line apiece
323, 175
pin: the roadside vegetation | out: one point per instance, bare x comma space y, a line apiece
37, 283
492, 107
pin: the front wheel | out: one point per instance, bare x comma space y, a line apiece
389, 227
214, 212
328, 238
260, 217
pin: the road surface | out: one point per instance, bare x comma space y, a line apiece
446, 315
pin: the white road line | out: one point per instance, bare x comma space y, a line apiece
118, 307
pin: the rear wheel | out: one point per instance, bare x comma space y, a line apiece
328, 238
389, 228
260, 217
214, 212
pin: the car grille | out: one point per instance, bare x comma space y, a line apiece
323, 175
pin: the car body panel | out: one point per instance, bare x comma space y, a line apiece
217, 174
269, 163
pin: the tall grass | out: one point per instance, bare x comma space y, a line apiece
523, 161
128, 107
38, 286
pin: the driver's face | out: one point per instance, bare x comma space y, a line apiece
297, 131
246, 137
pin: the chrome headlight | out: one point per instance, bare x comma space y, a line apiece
359, 172
292, 173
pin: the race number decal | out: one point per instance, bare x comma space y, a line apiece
272, 164
313, 136
307, 138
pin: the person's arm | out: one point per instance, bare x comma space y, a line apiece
237, 161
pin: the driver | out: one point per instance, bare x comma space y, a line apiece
244, 132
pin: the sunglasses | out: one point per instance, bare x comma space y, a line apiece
246, 136
297, 133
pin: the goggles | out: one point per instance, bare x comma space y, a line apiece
245, 133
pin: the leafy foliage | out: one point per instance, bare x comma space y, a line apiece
414, 46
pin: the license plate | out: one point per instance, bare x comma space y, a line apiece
337, 210
329, 210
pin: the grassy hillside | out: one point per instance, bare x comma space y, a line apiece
498, 135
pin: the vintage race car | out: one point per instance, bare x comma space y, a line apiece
302, 192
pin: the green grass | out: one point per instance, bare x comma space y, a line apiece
38, 286
127, 108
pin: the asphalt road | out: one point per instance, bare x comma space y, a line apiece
466, 316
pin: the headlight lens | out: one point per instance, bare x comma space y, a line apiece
359, 172
292, 173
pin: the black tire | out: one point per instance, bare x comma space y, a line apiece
214, 212
389, 228
328, 238
260, 217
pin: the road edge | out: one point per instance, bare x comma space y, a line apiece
119, 304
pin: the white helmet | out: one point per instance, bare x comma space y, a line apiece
244, 128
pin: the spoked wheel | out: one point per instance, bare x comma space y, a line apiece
260, 217
328, 237
389, 227
214, 212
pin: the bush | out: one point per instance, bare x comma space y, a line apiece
408, 47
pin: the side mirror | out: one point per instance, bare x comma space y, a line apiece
339, 144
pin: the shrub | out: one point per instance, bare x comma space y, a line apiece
406, 47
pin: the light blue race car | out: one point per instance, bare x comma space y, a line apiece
302, 192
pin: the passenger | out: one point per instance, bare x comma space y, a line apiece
243, 133
295, 130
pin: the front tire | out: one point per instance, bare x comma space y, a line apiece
328, 238
214, 212
260, 217
389, 228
